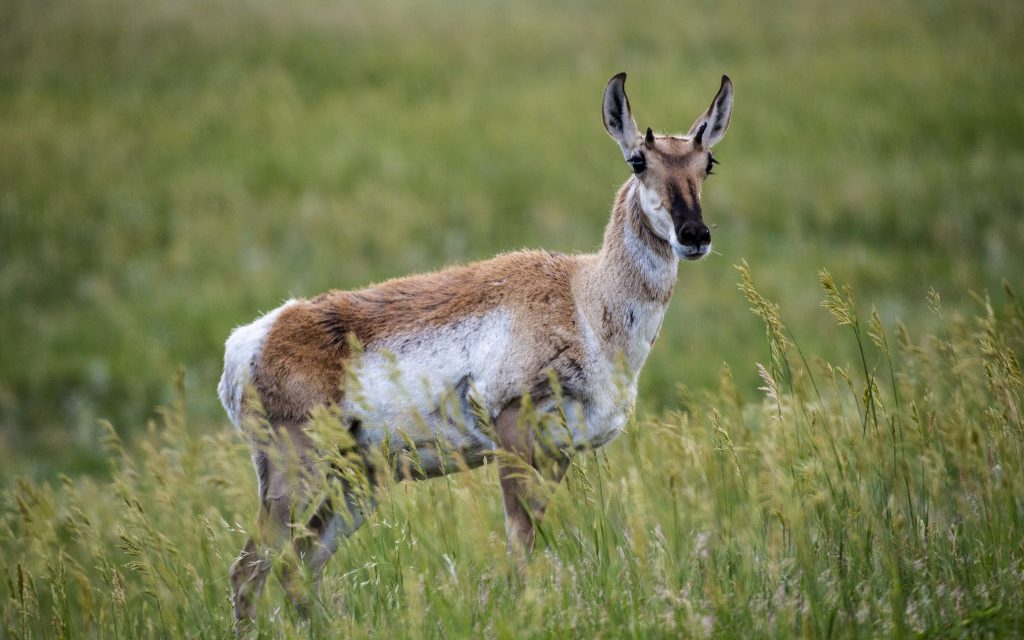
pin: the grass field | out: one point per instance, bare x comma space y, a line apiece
170, 169
882, 499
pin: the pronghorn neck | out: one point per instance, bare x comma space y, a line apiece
626, 290
635, 262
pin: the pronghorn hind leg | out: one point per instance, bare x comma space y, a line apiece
248, 573
525, 501
287, 481
325, 530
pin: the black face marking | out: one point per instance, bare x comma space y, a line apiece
684, 209
694, 196
711, 165
649, 138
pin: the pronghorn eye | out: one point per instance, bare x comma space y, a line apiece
638, 162
711, 164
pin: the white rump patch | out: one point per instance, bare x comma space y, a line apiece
242, 349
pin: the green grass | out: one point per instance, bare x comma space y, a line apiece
170, 169
167, 171
873, 500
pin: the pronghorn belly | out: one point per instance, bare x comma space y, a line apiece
432, 392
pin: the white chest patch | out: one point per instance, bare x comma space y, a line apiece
644, 321
602, 415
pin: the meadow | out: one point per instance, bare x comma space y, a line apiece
881, 499
817, 467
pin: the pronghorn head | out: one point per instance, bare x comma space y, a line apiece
670, 169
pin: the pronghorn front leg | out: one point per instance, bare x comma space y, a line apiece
523, 471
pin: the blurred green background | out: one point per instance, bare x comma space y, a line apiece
169, 169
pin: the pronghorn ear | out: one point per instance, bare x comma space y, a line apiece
711, 125
618, 118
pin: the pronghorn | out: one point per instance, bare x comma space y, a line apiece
438, 368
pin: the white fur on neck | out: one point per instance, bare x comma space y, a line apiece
656, 270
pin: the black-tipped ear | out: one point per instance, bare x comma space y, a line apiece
617, 116
649, 138
709, 128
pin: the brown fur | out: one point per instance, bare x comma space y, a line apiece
303, 358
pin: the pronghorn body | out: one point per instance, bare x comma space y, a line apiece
487, 331
436, 366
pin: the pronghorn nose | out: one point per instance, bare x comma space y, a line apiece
693, 233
